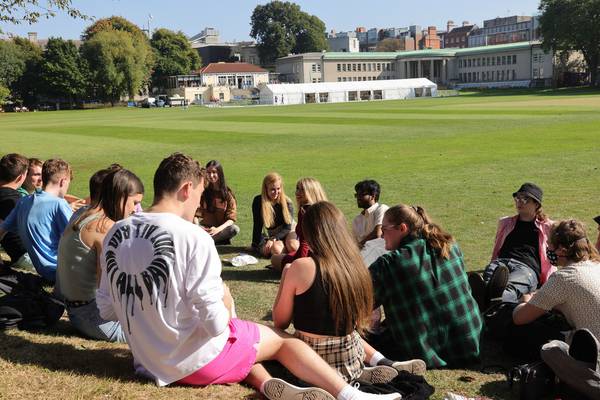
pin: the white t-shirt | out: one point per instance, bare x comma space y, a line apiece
366, 221
161, 278
575, 292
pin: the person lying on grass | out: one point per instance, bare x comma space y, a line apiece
161, 280
329, 298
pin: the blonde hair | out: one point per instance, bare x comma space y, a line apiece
268, 213
345, 276
420, 225
313, 191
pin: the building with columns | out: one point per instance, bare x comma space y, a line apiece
508, 65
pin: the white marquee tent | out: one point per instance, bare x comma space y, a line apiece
337, 92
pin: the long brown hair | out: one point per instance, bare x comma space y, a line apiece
345, 276
571, 235
420, 225
268, 213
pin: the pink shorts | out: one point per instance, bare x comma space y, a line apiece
234, 362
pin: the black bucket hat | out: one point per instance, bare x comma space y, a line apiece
531, 190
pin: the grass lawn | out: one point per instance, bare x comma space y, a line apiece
460, 158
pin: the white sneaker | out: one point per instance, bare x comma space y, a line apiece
278, 389
378, 374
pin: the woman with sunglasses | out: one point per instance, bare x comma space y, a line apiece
422, 285
519, 263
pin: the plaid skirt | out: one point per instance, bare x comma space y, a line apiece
345, 354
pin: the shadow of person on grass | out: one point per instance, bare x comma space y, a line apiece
114, 363
250, 275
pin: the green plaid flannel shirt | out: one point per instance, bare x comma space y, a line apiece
428, 305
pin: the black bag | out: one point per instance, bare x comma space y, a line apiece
27, 305
534, 380
410, 386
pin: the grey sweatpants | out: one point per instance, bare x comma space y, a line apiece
581, 376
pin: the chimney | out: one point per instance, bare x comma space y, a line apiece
465, 23
450, 25
431, 30
32, 36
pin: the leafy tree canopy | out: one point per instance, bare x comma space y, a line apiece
4, 94
389, 44
63, 71
30, 11
117, 65
281, 27
573, 25
114, 23
12, 63
173, 54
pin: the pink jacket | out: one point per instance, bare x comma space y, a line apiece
507, 224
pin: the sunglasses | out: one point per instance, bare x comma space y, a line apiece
522, 199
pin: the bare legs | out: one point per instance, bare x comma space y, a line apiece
297, 357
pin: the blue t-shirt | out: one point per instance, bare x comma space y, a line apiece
40, 220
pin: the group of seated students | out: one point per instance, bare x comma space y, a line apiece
151, 278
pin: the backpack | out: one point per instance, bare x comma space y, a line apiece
26, 304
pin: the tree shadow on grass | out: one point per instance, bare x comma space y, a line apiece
250, 275
116, 363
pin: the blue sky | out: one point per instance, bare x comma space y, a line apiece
232, 17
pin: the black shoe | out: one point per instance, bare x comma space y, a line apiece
478, 290
584, 347
497, 285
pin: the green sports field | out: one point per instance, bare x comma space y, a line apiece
460, 158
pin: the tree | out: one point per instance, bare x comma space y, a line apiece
173, 54
26, 88
117, 66
573, 25
12, 63
30, 11
63, 71
19, 60
4, 94
389, 44
281, 28
139, 39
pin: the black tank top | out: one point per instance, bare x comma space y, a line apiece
312, 312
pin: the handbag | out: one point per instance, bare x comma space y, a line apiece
534, 380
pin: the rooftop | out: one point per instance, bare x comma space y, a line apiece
220, 68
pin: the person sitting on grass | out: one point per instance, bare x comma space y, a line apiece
308, 191
161, 281
78, 262
329, 297
519, 264
367, 225
13, 170
272, 210
41, 218
33, 180
422, 285
574, 291
218, 208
